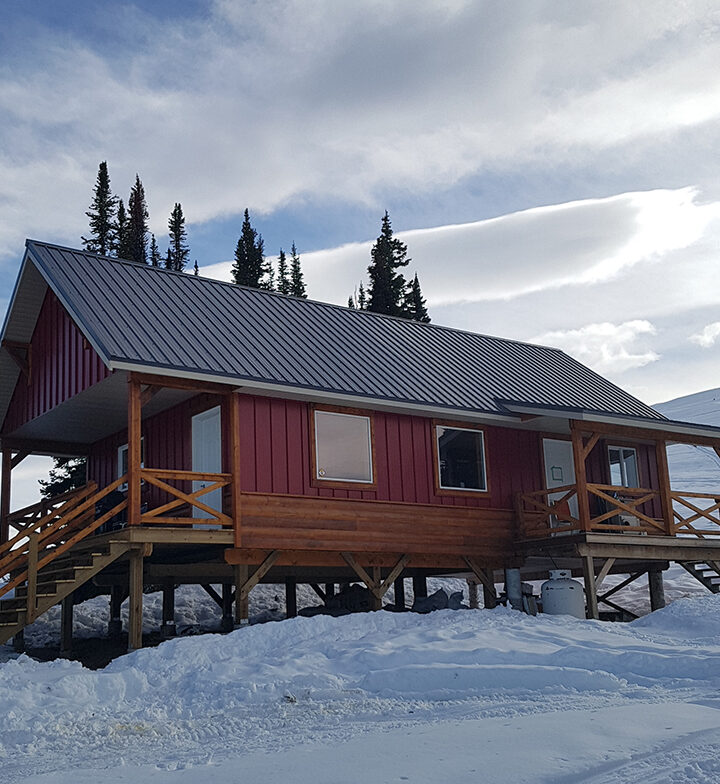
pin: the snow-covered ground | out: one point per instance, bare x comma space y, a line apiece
464, 696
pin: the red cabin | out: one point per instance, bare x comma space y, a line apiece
234, 435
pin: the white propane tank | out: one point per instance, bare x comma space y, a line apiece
563, 596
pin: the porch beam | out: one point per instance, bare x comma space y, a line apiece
632, 433
189, 384
134, 451
148, 394
578, 449
38, 446
137, 557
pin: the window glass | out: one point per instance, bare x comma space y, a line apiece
461, 458
623, 466
342, 447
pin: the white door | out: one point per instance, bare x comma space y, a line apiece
207, 457
559, 469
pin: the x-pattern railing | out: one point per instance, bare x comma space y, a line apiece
182, 501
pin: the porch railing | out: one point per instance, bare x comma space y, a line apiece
173, 505
697, 514
551, 512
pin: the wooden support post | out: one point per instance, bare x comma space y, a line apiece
578, 448
603, 573
32, 563
117, 596
242, 604
590, 592
329, 590
490, 599
19, 642
234, 467
66, 624
420, 586
227, 622
399, 587
168, 611
666, 503
290, 598
136, 599
5, 484
657, 589
473, 599
377, 579
134, 453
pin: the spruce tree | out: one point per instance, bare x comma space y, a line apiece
297, 279
351, 302
250, 267
168, 260
415, 306
283, 277
196, 269
179, 250
102, 215
362, 298
387, 285
155, 257
137, 223
67, 473
122, 238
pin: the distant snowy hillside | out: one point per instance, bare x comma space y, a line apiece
694, 468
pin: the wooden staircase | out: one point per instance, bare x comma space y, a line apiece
705, 572
48, 559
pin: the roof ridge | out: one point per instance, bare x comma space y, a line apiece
251, 289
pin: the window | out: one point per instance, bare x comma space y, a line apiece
623, 466
343, 447
461, 458
123, 461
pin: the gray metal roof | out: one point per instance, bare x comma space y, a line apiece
141, 316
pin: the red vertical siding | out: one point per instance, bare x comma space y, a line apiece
62, 365
276, 454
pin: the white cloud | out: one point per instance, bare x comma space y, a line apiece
581, 242
605, 347
707, 337
262, 103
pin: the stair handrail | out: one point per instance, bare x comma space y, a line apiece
9, 548
39, 541
43, 508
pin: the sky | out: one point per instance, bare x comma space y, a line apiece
552, 166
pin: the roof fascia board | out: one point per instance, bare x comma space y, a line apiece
305, 393
667, 425
87, 332
14, 296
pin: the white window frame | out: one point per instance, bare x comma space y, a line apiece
122, 450
325, 477
441, 486
623, 473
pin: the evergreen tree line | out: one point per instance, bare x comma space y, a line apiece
123, 232
388, 291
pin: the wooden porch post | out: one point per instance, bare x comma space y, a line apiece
399, 586
580, 476
290, 598
134, 453
226, 623
66, 624
664, 480
234, 427
5, 495
590, 587
241, 573
117, 597
136, 599
168, 611
657, 589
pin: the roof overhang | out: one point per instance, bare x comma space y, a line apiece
669, 430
